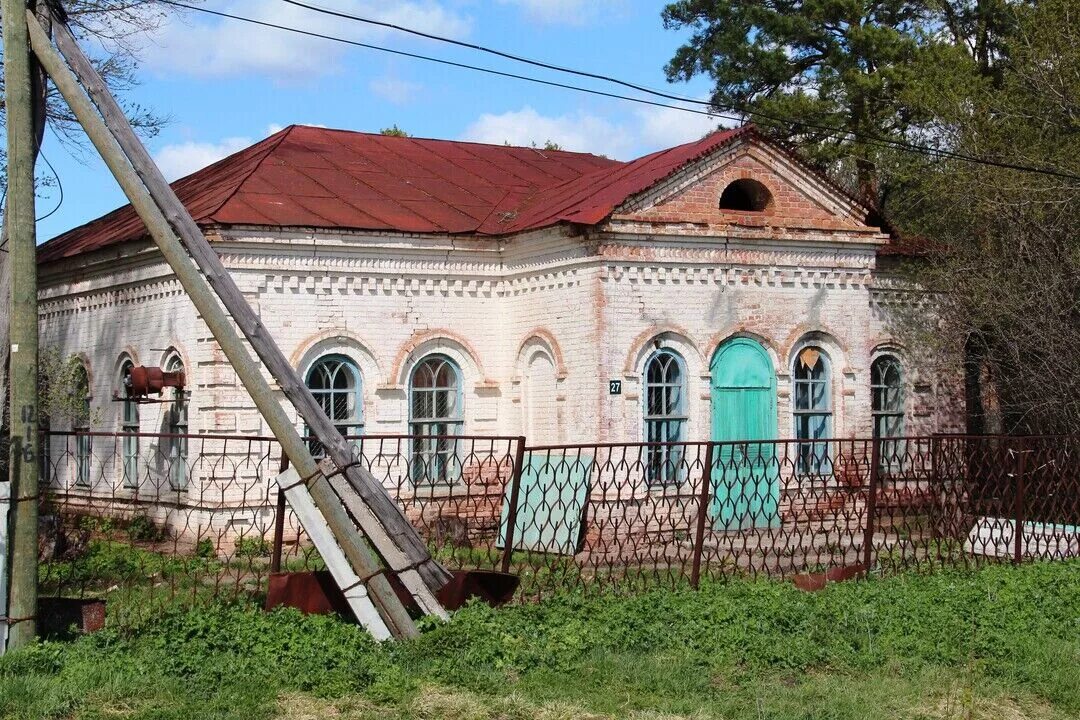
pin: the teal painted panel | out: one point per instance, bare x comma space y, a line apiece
746, 484
742, 363
551, 502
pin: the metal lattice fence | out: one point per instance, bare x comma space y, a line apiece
150, 519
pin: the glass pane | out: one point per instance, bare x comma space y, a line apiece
802, 396
421, 404
652, 431
818, 425
674, 373
445, 377
442, 403
654, 373
674, 402
423, 377
340, 407
343, 379
655, 401
819, 396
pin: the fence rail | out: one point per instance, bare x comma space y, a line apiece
139, 517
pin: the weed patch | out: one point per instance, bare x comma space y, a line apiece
998, 640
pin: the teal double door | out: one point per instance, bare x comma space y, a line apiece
746, 481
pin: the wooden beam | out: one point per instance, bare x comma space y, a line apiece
320, 533
357, 552
396, 540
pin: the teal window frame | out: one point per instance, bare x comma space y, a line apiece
887, 403
664, 408
812, 412
178, 429
436, 417
337, 384
129, 425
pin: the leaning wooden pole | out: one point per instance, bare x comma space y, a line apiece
391, 533
358, 554
22, 256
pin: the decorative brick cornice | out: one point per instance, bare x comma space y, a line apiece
128, 294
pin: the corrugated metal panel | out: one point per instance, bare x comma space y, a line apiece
314, 177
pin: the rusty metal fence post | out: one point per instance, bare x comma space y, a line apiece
703, 511
1019, 492
279, 520
511, 513
871, 504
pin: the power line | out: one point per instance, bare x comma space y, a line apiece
871, 139
499, 53
442, 61
892, 142
59, 185
490, 71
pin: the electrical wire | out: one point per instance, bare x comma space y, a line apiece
59, 185
442, 61
59, 202
743, 110
874, 140
498, 53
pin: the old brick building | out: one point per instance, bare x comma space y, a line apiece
719, 289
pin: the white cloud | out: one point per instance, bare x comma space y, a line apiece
180, 159
395, 91
644, 131
278, 127
567, 12
195, 45
662, 127
581, 132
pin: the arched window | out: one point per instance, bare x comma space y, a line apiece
435, 413
129, 424
813, 410
336, 383
178, 429
665, 415
745, 195
887, 408
887, 397
80, 424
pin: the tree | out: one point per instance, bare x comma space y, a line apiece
394, 131
834, 63
799, 67
111, 27
1005, 254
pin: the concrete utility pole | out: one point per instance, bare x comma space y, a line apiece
22, 248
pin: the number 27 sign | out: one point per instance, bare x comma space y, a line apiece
614, 387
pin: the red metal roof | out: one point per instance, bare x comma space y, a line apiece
336, 179
590, 198
314, 177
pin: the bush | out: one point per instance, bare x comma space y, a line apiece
142, 529
1015, 625
205, 549
252, 546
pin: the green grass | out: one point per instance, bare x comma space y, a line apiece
999, 642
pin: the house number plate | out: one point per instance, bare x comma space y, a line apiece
614, 387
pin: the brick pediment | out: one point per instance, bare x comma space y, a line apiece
798, 198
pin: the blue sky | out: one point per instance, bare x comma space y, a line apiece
224, 85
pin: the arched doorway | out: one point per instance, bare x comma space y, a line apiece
746, 488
